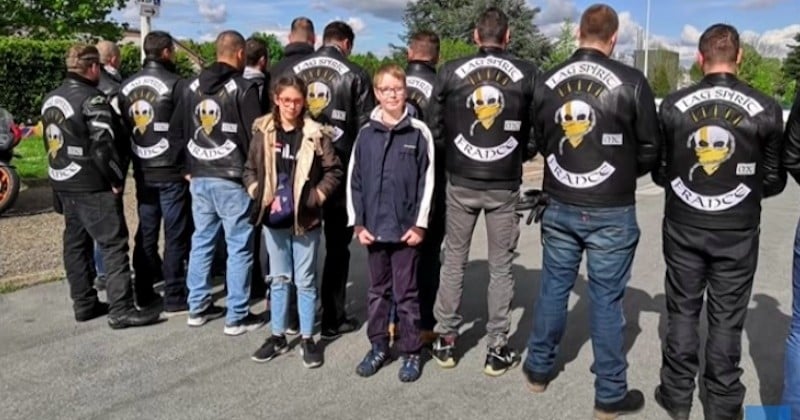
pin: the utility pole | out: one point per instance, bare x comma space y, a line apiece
147, 10
647, 39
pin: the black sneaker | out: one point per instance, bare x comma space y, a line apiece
373, 361
272, 348
99, 309
410, 368
631, 403
132, 318
675, 413
250, 322
176, 309
443, 351
200, 319
499, 360
312, 355
537, 382
345, 327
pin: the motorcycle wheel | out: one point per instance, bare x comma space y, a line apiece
9, 187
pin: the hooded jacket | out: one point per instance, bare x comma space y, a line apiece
222, 107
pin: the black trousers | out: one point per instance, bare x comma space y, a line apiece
719, 264
88, 218
337, 262
430, 263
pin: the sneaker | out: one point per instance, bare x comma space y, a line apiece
250, 322
312, 355
443, 351
631, 403
537, 382
499, 360
200, 319
345, 327
410, 368
272, 348
175, 310
373, 361
675, 413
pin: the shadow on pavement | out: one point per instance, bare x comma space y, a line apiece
766, 329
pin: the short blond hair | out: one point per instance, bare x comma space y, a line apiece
389, 69
81, 57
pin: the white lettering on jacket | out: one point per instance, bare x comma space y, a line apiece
157, 149
64, 174
330, 63
581, 181
503, 65
148, 81
60, 103
213, 153
720, 93
421, 85
485, 154
585, 68
710, 203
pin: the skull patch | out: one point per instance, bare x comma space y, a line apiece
209, 114
577, 119
712, 145
141, 113
487, 103
318, 98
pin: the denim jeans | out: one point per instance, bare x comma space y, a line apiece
215, 202
292, 258
99, 267
791, 377
609, 236
157, 201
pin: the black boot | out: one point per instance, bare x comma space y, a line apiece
633, 402
674, 412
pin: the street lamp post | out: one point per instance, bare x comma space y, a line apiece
647, 38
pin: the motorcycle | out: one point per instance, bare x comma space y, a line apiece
10, 136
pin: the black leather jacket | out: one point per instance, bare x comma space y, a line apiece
79, 138
339, 94
222, 107
149, 102
722, 153
109, 83
597, 128
420, 79
292, 54
791, 140
481, 115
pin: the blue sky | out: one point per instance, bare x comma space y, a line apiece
676, 24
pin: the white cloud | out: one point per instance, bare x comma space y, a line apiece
757, 4
553, 12
356, 23
690, 35
214, 13
774, 42
386, 9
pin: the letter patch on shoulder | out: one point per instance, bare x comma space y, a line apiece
746, 169
512, 125
612, 139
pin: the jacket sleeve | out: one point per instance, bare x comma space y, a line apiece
791, 155
532, 147
332, 171
648, 138
425, 178
254, 159
179, 124
435, 118
355, 203
100, 122
774, 180
249, 110
365, 99
659, 174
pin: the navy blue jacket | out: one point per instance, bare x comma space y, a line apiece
390, 177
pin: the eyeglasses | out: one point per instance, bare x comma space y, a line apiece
290, 101
395, 90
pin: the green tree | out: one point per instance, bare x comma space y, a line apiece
695, 72
451, 49
661, 86
455, 19
274, 45
563, 48
205, 50
60, 19
791, 66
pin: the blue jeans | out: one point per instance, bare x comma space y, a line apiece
609, 236
216, 202
99, 267
292, 258
791, 377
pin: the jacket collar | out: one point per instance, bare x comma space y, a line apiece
158, 64
376, 118
253, 73
298, 48
76, 78
422, 65
332, 51
487, 50
725, 79
588, 52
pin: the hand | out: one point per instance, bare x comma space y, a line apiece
116, 190
187, 177
414, 236
364, 237
534, 200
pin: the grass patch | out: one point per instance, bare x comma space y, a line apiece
33, 161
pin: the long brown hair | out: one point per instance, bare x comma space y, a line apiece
283, 83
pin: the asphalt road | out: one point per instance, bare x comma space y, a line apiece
52, 367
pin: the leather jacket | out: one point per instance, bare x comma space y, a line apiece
597, 128
339, 95
420, 79
222, 106
722, 153
480, 115
149, 103
77, 121
791, 140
